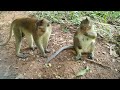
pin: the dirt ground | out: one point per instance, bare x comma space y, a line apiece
63, 66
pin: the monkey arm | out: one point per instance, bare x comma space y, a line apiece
57, 52
92, 35
77, 42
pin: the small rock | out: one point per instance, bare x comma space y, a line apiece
20, 76
58, 77
16, 67
24, 74
24, 59
48, 65
84, 61
31, 52
98, 52
113, 60
31, 65
20, 59
116, 70
96, 59
37, 56
39, 75
104, 53
90, 71
59, 66
107, 44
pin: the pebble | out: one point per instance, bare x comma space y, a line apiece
39, 75
20, 76
37, 56
90, 71
16, 67
31, 52
58, 77
116, 70
113, 60
84, 61
103, 52
20, 59
48, 65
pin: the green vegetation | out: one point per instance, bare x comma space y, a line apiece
74, 16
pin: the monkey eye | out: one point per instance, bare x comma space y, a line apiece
40, 27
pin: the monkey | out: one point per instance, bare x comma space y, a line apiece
36, 31
83, 41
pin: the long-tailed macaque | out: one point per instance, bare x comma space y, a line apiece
34, 30
84, 41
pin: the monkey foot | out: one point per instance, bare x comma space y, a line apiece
77, 58
90, 56
22, 55
45, 56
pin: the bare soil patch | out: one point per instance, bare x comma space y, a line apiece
62, 67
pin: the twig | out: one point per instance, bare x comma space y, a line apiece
73, 71
99, 64
106, 24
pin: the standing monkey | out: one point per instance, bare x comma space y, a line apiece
34, 30
84, 41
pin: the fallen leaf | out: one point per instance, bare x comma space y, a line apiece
83, 71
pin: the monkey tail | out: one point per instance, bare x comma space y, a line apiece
2, 44
57, 52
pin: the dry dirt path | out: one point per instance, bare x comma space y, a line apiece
63, 66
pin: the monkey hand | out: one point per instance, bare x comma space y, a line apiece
90, 34
86, 34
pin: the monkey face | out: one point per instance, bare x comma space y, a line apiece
85, 25
42, 23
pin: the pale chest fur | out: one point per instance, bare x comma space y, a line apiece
85, 42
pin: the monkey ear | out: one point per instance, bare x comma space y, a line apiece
86, 19
39, 22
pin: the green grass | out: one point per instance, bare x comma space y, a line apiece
74, 16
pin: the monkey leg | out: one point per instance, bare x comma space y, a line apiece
47, 50
78, 51
18, 38
30, 41
40, 47
45, 44
91, 53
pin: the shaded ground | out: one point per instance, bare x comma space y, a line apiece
63, 66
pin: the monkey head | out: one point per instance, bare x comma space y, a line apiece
42, 25
86, 24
